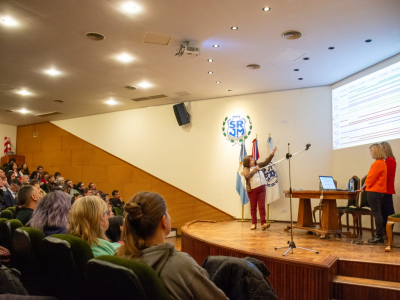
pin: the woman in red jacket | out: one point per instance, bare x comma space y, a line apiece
387, 202
375, 185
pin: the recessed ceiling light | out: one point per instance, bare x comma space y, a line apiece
331, 48
23, 111
130, 7
58, 101
111, 101
368, 41
295, 70
210, 72
218, 82
94, 36
24, 92
210, 60
230, 91
300, 78
266, 8
215, 46
144, 85
234, 28
8, 21
125, 58
52, 72
306, 58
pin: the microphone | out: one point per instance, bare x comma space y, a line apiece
308, 146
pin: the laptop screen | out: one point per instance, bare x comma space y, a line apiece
327, 183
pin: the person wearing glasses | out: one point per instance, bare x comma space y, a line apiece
88, 219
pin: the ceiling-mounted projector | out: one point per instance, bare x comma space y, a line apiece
188, 50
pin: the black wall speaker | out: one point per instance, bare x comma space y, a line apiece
181, 114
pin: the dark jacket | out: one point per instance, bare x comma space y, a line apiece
53, 230
116, 202
9, 199
2, 201
240, 278
24, 215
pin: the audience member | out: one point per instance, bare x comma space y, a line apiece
15, 170
44, 177
75, 197
10, 176
57, 175
3, 178
36, 184
80, 187
8, 166
70, 183
88, 219
66, 188
87, 192
25, 179
24, 170
93, 187
116, 201
115, 228
146, 225
51, 213
59, 182
28, 198
11, 193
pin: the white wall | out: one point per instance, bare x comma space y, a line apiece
8, 131
197, 159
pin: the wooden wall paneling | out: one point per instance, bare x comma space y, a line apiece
25, 132
51, 169
73, 173
108, 187
82, 158
103, 158
61, 158
70, 142
369, 270
33, 144
30, 161
119, 173
41, 159
21, 142
52, 143
94, 174
44, 130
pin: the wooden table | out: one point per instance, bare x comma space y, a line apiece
330, 218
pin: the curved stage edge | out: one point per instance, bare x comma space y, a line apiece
302, 275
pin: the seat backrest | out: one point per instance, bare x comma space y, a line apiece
128, 277
5, 234
7, 214
12, 209
27, 243
2, 220
64, 262
363, 197
14, 224
353, 202
116, 211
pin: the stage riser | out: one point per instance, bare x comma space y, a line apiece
384, 272
291, 280
351, 292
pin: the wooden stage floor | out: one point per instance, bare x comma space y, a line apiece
237, 235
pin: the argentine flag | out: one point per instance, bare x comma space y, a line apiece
240, 181
271, 177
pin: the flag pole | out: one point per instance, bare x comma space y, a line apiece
242, 220
268, 221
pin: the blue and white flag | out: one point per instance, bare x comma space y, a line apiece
271, 177
240, 180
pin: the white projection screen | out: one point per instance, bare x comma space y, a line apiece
367, 110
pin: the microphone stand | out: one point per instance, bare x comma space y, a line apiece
291, 243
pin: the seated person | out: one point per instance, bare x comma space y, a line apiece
37, 185
87, 192
11, 193
116, 201
28, 198
88, 219
25, 179
75, 197
146, 225
115, 228
50, 185
51, 213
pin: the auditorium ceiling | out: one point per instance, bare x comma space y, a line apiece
39, 38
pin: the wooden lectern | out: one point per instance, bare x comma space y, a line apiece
19, 159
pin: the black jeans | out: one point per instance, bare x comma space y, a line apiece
387, 208
375, 202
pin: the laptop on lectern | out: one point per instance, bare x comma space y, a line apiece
327, 183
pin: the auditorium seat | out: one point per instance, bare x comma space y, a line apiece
350, 204
64, 262
116, 211
27, 243
389, 229
362, 209
12, 209
107, 274
2, 220
6, 214
6, 235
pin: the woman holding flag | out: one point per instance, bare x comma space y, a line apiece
255, 184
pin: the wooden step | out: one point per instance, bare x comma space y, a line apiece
370, 283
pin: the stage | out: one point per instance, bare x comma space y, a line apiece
304, 274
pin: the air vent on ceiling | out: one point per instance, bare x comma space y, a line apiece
95, 36
49, 114
253, 66
183, 93
8, 110
130, 87
58, 101
291, 35
156, 38
150, 97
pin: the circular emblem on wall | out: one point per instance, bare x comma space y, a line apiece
236, 129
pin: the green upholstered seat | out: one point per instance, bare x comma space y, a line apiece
128, 277
63, 264
7, 214
395, 216
12, 209
2, 220
116, 211
27, 243
14, 224
5, 234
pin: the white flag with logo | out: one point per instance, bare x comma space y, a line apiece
271, 177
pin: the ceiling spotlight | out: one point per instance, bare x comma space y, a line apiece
58, 101
210, 60
111, 102
266, 9
129, 7
8, 21
218, 82
23, 111
295, 70
230, 91
300, 78
52, 72
210, 72
24, 92
368, 41
331, 48
144, 85
306, 58
215, 46
125, 58
234, 28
